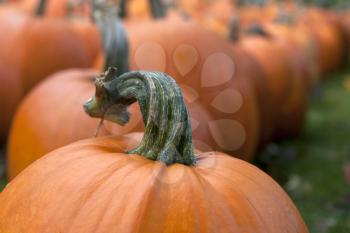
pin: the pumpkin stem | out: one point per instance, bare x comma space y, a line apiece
257, 29
233, 34
168, 134
114, 37
40, 9
157, 7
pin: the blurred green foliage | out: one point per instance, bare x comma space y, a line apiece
311, 167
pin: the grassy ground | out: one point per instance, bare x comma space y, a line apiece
311, 168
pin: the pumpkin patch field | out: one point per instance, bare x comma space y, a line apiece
176, 116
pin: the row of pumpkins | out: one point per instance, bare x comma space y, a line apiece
245, 73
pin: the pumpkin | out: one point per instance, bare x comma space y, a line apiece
51, 8
293, 110
254, 73
192, 57
326, 30
203, 62
43, 37
157, 186
299, 48
345, 24
58, 100
32, 48
275, 68
193, 64
10, 88
10, 93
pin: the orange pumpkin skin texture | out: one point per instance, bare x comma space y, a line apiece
55, 43
265, 102
53, 8
10, 87
293, 110
326, 29
275, 68
235, 130
92, 186
58, 100
299, 49
32, 137
10, 93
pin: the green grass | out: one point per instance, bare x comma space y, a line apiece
310, 168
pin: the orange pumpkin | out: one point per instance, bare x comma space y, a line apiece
202, 61
10, 87
10, 93
51, 8
275, 67
87, 186
345, 24
32, 136
326, 30
32, 48
196, 68
293, 110
56, 44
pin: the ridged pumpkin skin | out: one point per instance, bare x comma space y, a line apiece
10, 93
299, 49
10, 83
91, 186
45, 46
292, 112
302, 80
329, 37
53, 8
265, 100
55, 44
204, 62
275, 68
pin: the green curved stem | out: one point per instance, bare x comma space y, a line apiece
40, 10
168, 134
114, 36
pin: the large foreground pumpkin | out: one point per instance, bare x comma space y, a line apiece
93, 186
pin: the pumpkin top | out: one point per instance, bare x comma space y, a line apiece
168, 133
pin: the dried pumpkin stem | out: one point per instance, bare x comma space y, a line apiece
234, 28
114, 37
168, 134
40, 10
157, 7
257, 29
